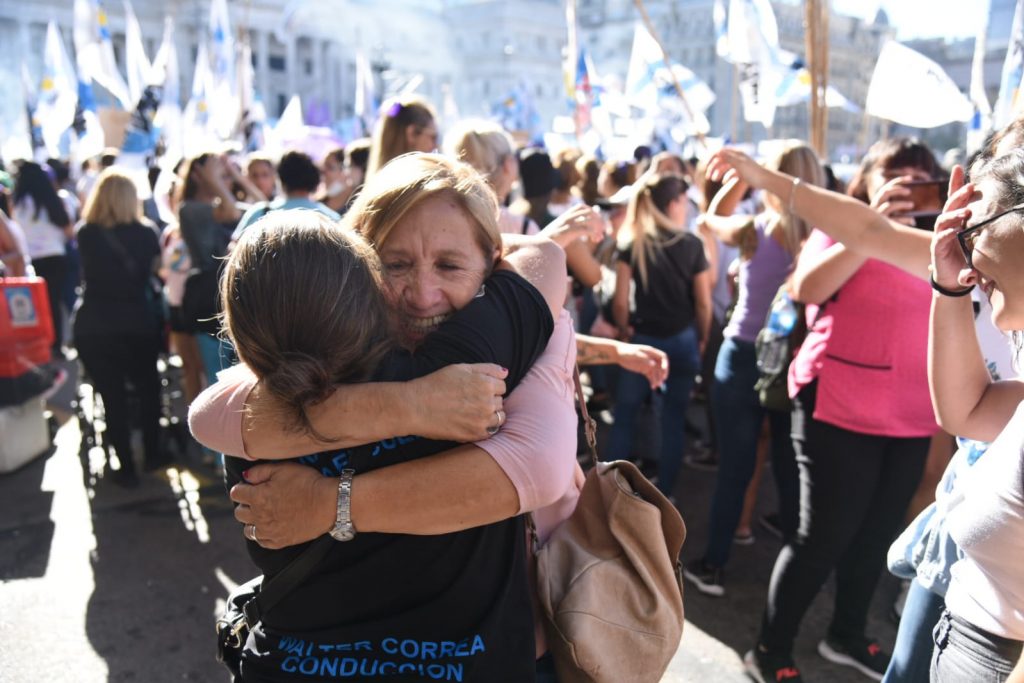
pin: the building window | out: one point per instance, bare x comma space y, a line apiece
277, 63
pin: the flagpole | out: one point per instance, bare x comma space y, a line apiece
816, 46
668, 65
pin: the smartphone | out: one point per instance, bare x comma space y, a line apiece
928, 196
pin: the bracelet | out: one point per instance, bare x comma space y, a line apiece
792, 194
949, 292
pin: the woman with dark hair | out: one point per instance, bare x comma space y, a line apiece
662, 268
978, 242
406, 124
769, 244
446, 563
862, 423
44, 219
118, 319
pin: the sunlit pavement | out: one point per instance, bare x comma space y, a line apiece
103, 583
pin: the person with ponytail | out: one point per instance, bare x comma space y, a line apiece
406, 124
662, 299
769, 244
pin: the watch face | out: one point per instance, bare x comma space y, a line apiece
343, 534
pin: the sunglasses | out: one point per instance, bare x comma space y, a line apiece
968, 236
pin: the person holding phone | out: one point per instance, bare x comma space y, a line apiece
862, 422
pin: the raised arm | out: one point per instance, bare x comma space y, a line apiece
967, 401
527, 466
859, 226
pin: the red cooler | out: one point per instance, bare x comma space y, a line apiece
26, 328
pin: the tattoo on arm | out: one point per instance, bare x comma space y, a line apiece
592, 354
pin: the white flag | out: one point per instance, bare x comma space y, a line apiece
58, 92
910, 89
225, 116
95, 52
197, 135
136, 63
169, 117
366, 93
752, 36
1009, 103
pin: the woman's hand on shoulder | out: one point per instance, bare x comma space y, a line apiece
459, 402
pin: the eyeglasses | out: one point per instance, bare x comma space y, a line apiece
968, 236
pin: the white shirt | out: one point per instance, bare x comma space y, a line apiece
986, 520
43, 237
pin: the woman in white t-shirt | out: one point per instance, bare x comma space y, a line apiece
44, 219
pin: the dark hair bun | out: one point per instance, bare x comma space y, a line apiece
299, 381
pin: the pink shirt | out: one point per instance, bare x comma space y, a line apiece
536, 448
868, 349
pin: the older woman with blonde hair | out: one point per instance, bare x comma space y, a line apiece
438, 549
406, 124
118, 318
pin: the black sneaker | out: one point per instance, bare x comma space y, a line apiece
772, 524
765, 667
708, 580
863, 655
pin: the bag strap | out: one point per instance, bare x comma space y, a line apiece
285, 581
119, 249
589, 430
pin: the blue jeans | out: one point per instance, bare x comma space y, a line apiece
964, 652
669, 406
738, 415
912, 654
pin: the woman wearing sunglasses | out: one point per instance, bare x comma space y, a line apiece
978, 242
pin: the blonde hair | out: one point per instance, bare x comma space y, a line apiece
484, 145
114, 200
800, 161
646, 215
413, 178
389, 139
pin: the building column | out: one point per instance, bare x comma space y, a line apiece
263, 67
292, 65
331, 79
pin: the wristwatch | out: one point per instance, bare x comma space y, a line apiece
343, 529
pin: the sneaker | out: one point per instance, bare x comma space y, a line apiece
863, 655
772, 524
708, 580
765, 667
745, 538
702, 462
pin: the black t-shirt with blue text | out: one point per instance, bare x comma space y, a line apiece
395, 607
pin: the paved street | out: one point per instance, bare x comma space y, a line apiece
105, 584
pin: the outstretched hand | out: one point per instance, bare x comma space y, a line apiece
728, 163
645, 360
579, 222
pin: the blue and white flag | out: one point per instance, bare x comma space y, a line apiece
752, 43
224, 118
1010, 101
137, 64
95, 51
197, 133
57, 95
168, 119
910, 89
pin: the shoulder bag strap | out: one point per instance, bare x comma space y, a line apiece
275, 590
119, 249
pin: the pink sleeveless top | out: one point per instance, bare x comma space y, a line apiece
868, 350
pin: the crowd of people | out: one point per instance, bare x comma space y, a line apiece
398, 328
